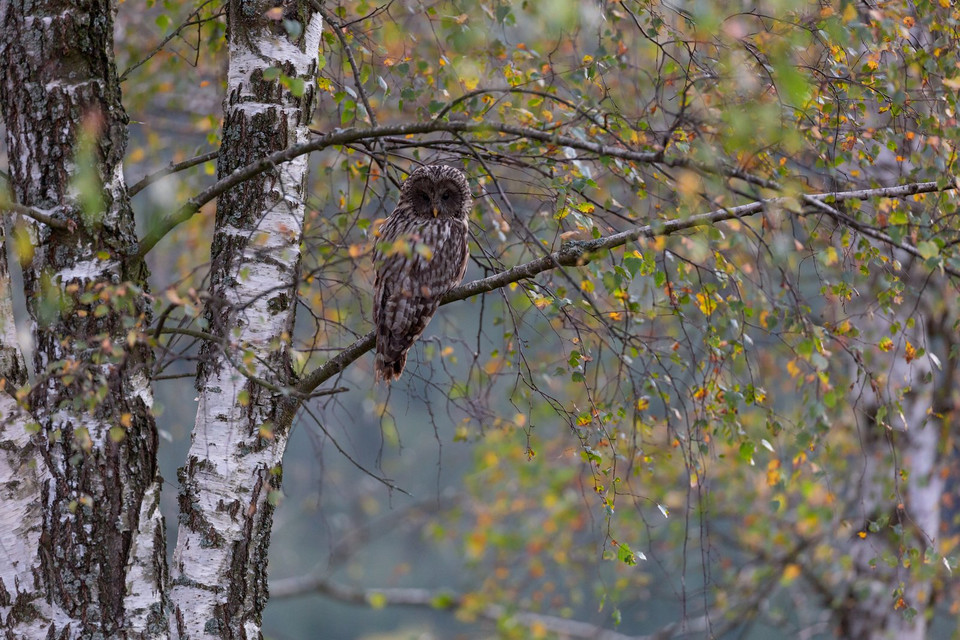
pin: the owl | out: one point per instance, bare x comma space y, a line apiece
421, 254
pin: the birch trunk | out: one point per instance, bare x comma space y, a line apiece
84, 557
232, 473
894, 602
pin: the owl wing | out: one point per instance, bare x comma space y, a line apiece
410, 283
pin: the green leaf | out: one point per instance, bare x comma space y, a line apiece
791, 83
625, 555
296, 86
898, 217
928, 249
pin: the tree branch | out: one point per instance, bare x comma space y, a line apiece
40, 216
348, 136
188, 22
147, 180
579, 253
337, 29
446, 601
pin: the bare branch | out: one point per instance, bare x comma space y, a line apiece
39, 216
348, 136
337, 29
579, 253
188, 22
445, 601
147, 180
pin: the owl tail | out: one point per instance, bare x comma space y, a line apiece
388, 370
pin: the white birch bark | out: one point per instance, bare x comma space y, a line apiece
74, 526
232, 471
22, 475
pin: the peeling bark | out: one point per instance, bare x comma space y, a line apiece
232, 471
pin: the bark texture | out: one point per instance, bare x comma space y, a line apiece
232, 474
80, 448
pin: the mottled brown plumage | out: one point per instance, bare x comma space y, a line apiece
421, 254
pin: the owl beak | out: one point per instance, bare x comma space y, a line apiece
436, 212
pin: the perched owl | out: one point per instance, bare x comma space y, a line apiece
421, 254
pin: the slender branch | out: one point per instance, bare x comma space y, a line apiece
869, 231
266, 384
317, 6
147, 180
353, 135
582, 252
188, 22
445, 601
520, 91
348, 136
39, 216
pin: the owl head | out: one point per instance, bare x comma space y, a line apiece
437, 191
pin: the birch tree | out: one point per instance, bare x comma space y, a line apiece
232, 475
79, 463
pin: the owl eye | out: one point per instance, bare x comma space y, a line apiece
446, 195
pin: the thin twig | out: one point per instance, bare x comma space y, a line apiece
350, 59
579, 253
347, 136
39, 216
188, 22
171, 168
447, 600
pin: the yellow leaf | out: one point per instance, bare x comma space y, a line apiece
910, 352
425, 251
952, 83
773, 472
476, 543
706, 304
790, 573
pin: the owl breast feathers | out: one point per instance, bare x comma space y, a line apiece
421, 254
